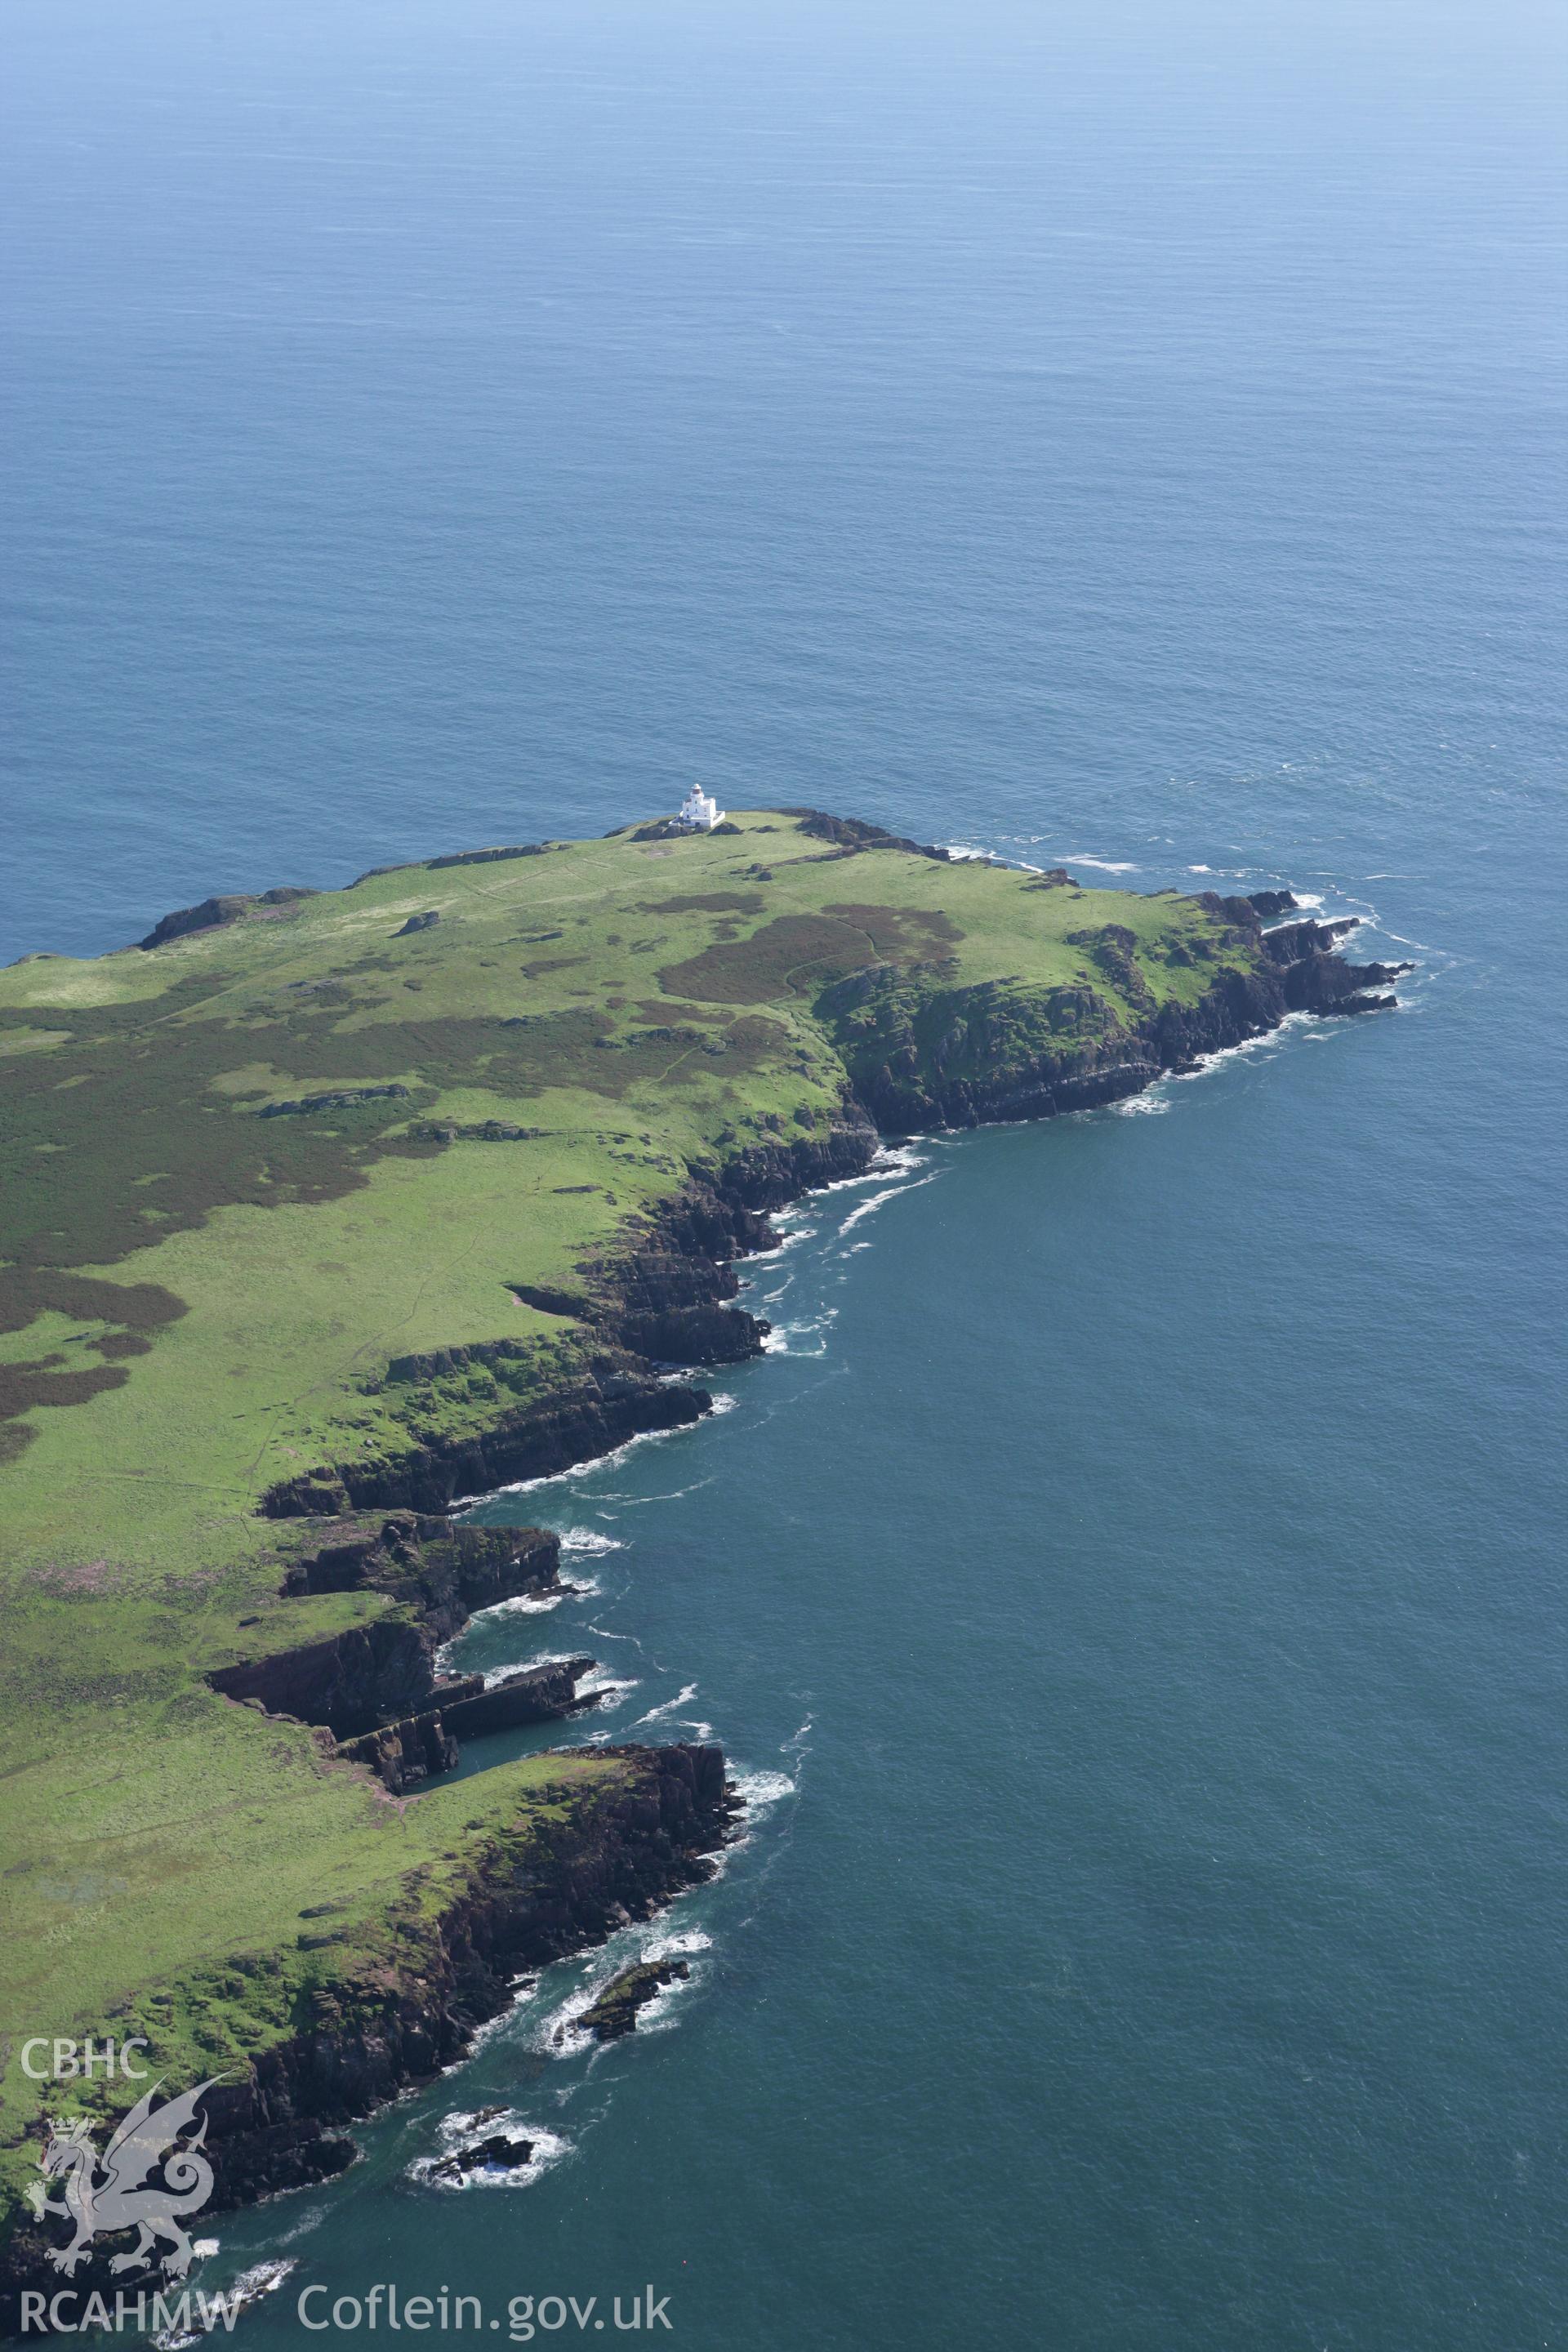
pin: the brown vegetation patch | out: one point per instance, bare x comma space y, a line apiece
792, 955
796, 954
23, 1386
659, 1008
70, 1578
72, 1158
542, 965
900, 934
709, 902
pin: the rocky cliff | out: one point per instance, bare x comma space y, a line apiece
466, 1707
591, 1416
644, 1829
923, 1053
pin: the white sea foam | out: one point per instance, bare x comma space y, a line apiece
546, 2147
524, 1604
578, 1470
679, 1946
878, 1199
781, 1341
494, 1674
522, 1992
787, 1240
890, 1160
681, 1698
757, 1790
560, 2031
1108, 865
586, 1540
607, 1691
1157, 1098
631, 1502
262, 2278
528, 1604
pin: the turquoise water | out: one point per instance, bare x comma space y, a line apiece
1133, 1589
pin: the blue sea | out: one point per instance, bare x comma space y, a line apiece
1132, 1589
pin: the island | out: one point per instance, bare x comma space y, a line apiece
325, 1210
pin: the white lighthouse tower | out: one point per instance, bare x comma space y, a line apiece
699, 813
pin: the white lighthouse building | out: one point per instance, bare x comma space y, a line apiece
699, 813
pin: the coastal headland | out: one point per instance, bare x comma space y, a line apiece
323, 1210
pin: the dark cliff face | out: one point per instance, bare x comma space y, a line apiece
466, 1707
664, 1297
625, 1847
576, 1425
620, 1855
660, 1300
375, 1686
348, 1681
922, 1053
770, 1175
212, 912
367, 1675
442, 1570
853, 834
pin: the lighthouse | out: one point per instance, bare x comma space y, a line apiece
699, 813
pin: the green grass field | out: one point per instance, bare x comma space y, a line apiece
198, 1300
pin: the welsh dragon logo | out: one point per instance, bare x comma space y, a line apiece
119, 2191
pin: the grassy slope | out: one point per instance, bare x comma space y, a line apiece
196, 1301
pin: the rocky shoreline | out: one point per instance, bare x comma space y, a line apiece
660, 1304
617, 1854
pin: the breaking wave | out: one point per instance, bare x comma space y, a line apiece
877, 1200
757, 1790
780, 1339
677, 1946
1158, 1098
262, 2278
681, 1698
607, 1691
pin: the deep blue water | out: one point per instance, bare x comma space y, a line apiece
1127, 435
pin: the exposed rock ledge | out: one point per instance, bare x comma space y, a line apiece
467, 1707
375, 1686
